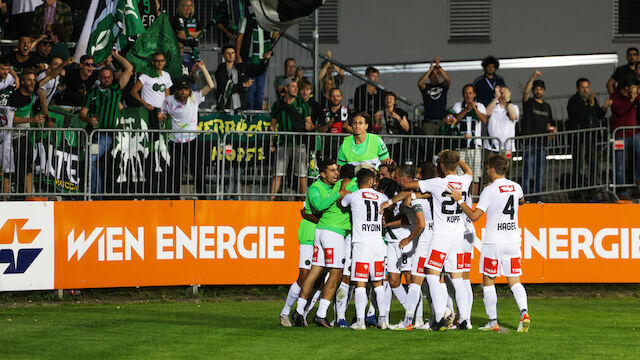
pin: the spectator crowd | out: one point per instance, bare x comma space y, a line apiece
40, 72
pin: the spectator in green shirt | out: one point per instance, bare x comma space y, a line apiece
291, 113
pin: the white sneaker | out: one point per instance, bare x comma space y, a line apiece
401, 326
356, 326
384, 325
424, 326
284, 320
490, 327
525, 322
418, 322
450, 316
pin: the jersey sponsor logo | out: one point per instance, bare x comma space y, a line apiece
421, 261
361, 270
19, 256
467, 260
328, 256
506, 188
371, 196
459, 261
516, 266
455, 185
490, 266
378, 267
437, 258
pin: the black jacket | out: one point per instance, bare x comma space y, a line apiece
245, 72
582, 115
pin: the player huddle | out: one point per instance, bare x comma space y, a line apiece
372, 229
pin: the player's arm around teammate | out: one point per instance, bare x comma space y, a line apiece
499, 250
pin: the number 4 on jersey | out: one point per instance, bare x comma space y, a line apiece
509, 209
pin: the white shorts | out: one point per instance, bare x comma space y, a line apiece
445, 251
399, 260
297, 155
367, 260
347, 256
305, 256
467, 245
328, 249
473, 158
419, 258
505, 256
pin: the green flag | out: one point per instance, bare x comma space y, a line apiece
159, 37
128, 19
103, 32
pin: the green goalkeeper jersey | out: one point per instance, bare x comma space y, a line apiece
307, 229
372, 150
336, 218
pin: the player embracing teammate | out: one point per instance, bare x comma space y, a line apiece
501, 253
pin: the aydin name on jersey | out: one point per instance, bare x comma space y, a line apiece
371, 227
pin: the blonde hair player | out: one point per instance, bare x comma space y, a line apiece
501, 244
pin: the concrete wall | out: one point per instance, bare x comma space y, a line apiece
408, 31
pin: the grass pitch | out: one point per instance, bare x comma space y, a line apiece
560, 328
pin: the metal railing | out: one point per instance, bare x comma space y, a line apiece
262, 165
625, 142
280, 164
574, 163
43, 162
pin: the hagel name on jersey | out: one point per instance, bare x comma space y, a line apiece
507, 226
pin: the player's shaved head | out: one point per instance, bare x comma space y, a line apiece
449, 159
407, 170
428, 171
365, 176
499, 163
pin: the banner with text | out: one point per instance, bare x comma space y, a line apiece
153, 243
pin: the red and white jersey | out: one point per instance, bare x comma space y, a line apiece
500, 202
366, 220
447, 214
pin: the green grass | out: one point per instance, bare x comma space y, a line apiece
560, 328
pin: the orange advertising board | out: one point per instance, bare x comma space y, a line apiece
151, 243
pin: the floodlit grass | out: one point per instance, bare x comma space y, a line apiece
560, 328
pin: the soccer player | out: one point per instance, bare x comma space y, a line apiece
362, 146
367, 244
501, 242
306, 233
342, 293
445, 249
329, 242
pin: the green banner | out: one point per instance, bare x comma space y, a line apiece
59, 154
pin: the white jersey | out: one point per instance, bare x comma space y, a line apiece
424, 206
366, 220
500, 202
447, 214
394, 235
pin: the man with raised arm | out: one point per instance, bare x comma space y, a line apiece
446, 247
501, 244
